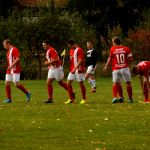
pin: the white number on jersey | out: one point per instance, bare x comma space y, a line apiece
120, 58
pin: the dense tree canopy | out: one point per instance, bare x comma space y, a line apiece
101, 13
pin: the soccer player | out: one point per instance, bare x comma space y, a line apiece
120, 56
77, 69
55, 70
91, 61
13, 71
143, 69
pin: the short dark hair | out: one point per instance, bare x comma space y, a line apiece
90, 42
117, 40
71, 42
47, 42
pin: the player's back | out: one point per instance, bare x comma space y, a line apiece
120, 55
144, 67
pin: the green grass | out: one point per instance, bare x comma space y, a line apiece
98, 125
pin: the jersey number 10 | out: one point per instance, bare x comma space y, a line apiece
120, 58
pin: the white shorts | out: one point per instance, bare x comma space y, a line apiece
90, 70
15, 77
121, 74
56, 73
79, 77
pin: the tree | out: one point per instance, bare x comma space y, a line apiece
27, 30
103, 13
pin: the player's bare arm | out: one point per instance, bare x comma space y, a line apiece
77, 66
141, 82
130, 60
107, 64
14, 63
148, 83
50, 62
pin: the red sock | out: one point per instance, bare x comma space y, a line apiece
83, 90
119, 88
64, 85
22, 88
129, 90
114, 90
50, 92
8, 91
145, 91
70, 91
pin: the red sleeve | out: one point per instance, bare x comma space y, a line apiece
53, 54
16, 53
80, 54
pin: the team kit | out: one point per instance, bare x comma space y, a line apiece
82, 67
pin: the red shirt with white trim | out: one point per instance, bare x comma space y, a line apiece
71, 59
78, 54
144, 68
12, 54
119, 55
51, 54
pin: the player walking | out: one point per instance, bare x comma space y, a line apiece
91, 61
55, 70
76, 71
13, 71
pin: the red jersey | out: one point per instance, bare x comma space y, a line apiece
12, 54
119, 55
51, 54
71, 59
144, 68
75, 55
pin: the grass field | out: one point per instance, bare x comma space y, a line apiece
98, 125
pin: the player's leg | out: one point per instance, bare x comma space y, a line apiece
145, 91
50, 90
129, 91
63, 84
116, 80
59, 75
94, 82
127, 78
50, 79
8, 81
70, 79
114, 92
16, 79
80, 79
68, 87
88, 77
83, 91
120, 92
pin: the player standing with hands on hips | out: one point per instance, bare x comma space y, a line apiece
120, 56
13, 71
